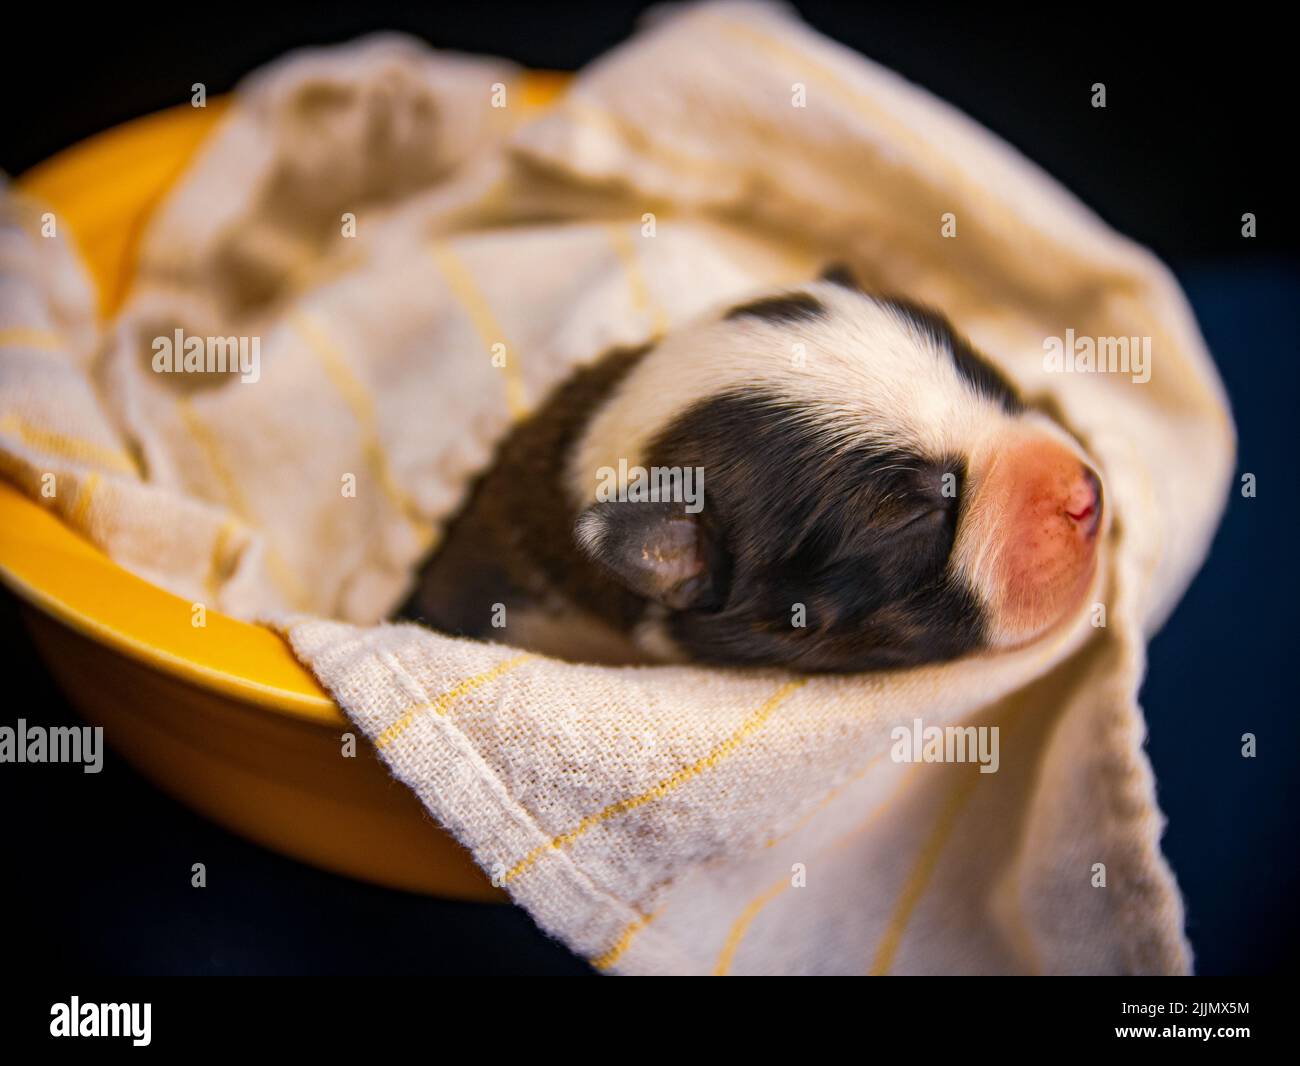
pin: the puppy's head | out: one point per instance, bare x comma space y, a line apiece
842, 484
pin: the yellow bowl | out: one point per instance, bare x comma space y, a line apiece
234, 727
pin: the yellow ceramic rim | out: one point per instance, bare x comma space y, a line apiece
67, 577
103, 191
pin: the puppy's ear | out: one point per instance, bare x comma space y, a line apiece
657, 550
840, 274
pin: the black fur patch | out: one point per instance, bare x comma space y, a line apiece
513, 542
861, 538
982, 375
840, 274
786, 308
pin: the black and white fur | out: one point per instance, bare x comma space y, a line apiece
839, 434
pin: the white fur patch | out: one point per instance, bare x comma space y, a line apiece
863, 374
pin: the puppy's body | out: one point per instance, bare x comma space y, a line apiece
512, 544
875, 495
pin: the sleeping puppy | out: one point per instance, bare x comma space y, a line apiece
816, 478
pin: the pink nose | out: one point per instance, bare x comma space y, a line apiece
1047, 508
1083, 502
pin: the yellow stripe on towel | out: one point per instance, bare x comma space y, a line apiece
928, 859
73, 449
727, 956
207, 442
923, 869
642, 302
996, 214
667, 785
443, 703
217, 562
741, 926
636, 140
634, 927
610, 957
362, 406
280, 572
81, 506
46, 340
470, 297
813, 69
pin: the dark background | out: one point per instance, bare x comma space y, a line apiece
1197, 131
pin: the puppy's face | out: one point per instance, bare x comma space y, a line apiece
874, 492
